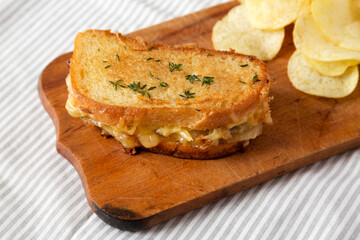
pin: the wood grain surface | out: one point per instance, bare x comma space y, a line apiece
137, 192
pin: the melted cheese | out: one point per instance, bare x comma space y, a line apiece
151, 136
126, 140
149, 140
182, 132
219, 133
71, 107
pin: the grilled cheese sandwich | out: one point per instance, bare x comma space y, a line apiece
234, 127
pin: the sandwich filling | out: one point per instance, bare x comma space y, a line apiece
150, 136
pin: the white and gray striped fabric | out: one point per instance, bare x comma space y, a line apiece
41, 196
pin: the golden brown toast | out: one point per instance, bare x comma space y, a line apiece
158, 96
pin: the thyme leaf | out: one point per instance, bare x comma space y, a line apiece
192, 78
174, 67
136, 87
207, 80
139, 88
116, 84
155, 60
255, 79
163, 84
187, 94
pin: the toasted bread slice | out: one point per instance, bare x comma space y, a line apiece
177, 100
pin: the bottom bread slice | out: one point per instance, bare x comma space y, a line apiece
190, 152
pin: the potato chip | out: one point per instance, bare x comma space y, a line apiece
313, 44
339, 21
332, 69
273, 14
356, 8
308, 80
235, 32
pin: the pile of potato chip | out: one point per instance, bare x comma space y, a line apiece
326, 36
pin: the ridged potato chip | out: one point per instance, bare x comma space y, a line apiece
332, 69
339, 21
234, 31
273, 14
357, 3
308, 80
313, 44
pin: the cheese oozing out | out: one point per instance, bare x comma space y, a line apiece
150, 136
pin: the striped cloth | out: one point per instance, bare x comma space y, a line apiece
41, 196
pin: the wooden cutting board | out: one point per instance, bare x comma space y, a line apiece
137, 192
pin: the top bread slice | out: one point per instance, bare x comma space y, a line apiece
127, 81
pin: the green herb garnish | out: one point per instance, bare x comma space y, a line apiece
208, 54
150, 74
192, 78
242, 82
157, 78
187, 94
117, 57
137, 87
174, 67
163, 84
207, 80
108, 66
158, 60
116, 84
251, 57
150, 48
124, 47
245, 65
255, 79
151, 88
